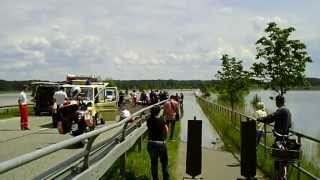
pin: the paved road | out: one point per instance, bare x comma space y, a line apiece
14, 142
216, 163
191, 110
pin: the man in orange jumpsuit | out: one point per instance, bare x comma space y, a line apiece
23, 107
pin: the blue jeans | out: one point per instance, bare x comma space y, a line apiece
259, 134
158, 150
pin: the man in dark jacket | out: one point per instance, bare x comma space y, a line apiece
281, 118
282, 125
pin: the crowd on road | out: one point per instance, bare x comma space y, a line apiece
161, 123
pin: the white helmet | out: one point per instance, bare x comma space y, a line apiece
75, 91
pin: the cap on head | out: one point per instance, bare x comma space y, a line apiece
260, 105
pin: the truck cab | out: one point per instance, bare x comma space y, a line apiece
102, 99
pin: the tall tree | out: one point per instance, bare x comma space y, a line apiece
233, 79
282, 61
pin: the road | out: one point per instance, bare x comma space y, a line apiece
216, 162
15, 142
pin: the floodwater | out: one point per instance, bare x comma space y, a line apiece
304, 107
11, 98
305, 110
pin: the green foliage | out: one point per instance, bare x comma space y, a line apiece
138, 163
13, 112
234, 80
282, 60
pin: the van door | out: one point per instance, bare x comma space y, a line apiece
105, 107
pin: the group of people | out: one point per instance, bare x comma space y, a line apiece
150, 98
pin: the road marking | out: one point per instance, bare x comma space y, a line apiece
42, 129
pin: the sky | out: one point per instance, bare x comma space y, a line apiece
143, 39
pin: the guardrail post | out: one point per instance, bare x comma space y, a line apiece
123, 164
123, 135
299, 164
87, 152
140, 144
265, 138
123, 157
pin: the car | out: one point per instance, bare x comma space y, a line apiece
102, 99
42, 93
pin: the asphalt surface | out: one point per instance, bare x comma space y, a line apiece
216, 162
15, 142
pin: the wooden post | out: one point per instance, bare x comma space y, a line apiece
123, 164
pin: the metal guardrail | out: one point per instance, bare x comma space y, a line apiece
110, 150
300, 136
12, 106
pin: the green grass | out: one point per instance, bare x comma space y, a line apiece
138, 163
231, 139
13, 112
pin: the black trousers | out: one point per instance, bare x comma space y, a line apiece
172, 124
158, 151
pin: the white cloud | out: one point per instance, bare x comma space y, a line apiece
260, 22
135, 39
226, 10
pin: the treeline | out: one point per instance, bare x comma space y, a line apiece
163, 84
12, 85
206, 85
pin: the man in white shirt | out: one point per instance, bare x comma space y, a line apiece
23, 108
59, 98
261, 112
125, 113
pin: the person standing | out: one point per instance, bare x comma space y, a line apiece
260, 113
282, 124
124, 112
59, 98
181, 100
157, 149
23, 108
281, 118
171, 112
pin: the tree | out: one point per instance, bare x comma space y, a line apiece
282, 60
233, 79
110, 81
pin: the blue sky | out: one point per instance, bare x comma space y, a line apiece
143, 39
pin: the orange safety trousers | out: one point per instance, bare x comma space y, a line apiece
23, 116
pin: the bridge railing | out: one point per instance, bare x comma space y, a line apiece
11, 110
236, 117
94, 160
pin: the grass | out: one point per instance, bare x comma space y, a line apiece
13, 112
231, 137
138, 163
